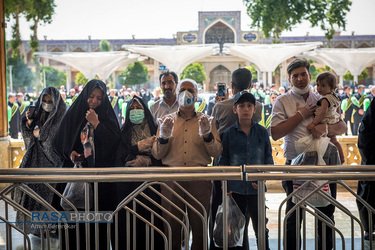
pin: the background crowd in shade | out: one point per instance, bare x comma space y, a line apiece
18, 103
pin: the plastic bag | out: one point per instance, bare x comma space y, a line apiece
309, 144
236, 225
310, 152
75, 193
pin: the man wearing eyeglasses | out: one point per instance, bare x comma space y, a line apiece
266, 113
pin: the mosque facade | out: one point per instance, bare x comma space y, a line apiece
214, 27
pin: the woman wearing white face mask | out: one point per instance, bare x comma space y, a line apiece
37, 134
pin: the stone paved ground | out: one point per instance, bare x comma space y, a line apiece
273, 201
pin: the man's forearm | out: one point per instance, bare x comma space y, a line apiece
338, 128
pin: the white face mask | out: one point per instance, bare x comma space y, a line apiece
47, 107
301, 91
186, 99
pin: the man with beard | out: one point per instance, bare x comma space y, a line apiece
169, 104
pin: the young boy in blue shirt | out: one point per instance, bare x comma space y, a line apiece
246, 143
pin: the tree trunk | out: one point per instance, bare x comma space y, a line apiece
35, 30
17, 44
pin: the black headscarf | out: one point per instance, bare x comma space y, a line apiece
125, 147
71, 126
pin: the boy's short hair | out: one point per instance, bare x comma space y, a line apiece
298, 63
329, 78
244, 96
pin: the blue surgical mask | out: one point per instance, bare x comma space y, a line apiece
136, 116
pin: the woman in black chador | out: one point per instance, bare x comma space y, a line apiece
137, 136
90, 131
37, 132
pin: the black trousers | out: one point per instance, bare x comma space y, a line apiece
366, 191
249, 207
291, 226
357, 122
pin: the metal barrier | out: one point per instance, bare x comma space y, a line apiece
333, 174
17, 150
152, 176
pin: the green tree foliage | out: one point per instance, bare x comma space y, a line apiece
314, 71
81, 79
194, 71
21, 74
275, 16
14, 9
135, 73
350, 77
254, 73
39, 11
54, 77
104, 45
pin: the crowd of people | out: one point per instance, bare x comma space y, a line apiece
96, 129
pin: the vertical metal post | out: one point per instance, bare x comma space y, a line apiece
261, 216
87, 209
96, 209
225, 215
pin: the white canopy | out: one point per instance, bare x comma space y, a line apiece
268, 56
335, 65
355, 60
175, 58
342, 60
90, 64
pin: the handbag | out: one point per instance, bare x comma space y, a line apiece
75, 193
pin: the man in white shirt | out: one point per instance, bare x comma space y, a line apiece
168, 104
291, 113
